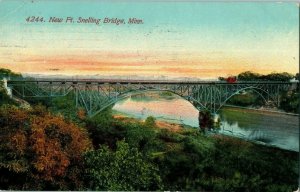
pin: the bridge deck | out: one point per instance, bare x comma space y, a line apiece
122, 81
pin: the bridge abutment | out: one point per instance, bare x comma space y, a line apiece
8, 89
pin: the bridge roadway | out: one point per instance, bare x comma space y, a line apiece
132, 81
94, 95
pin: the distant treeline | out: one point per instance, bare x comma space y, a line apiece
244, 76
8, 74
252, 76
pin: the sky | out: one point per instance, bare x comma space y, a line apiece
176, 39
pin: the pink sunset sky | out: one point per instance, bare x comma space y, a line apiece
176, 39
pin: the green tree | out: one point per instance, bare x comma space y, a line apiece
8, 74
122, 170
248, 76
150, 121
66, 107
278, 77
290, 101
103, 129
246, 99
140, 136
221, 78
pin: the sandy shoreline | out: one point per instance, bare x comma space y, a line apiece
160, 124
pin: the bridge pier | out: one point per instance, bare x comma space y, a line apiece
208, 120
205, 120
215, 117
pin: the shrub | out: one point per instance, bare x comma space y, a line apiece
122, 170
42, 150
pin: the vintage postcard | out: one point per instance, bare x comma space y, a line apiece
149, 95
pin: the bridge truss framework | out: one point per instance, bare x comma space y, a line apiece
96, 95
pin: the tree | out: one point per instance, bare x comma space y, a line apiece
221, 78
103, 129
251, 76
290, 101
140, 135
278, 77
38, 146
8, 74
150, 121
205, 120
122, 170
66, 107
248, 76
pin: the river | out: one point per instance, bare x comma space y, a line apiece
280, 130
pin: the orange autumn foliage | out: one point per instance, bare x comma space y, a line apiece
55, 144
19, 142
44, 146
81, 114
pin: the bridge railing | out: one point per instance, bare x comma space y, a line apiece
141, 81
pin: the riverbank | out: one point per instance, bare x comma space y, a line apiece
263, 110
159, 124
179, 128
265, 127
235, 161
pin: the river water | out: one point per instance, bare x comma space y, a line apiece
276, 129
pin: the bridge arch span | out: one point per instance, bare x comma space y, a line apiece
128, 94
255, 89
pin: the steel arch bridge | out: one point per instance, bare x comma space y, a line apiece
95, 95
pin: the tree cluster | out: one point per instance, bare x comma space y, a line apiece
38, 146
252, 76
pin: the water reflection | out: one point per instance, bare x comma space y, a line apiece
270, 128
175, 110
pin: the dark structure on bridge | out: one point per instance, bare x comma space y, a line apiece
96, 95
